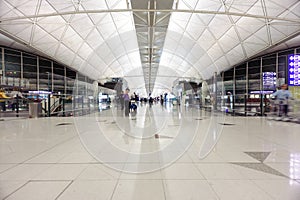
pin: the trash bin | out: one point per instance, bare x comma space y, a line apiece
35, 109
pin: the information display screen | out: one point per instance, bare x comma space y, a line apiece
294, 70
269, 80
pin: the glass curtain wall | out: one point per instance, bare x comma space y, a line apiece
30, 72
12, 63
1, 67
248, 85
228, 79
240, 94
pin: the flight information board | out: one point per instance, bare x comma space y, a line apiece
294, 70
269, 80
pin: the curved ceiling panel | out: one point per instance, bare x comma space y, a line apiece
138, 39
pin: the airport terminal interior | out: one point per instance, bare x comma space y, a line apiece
149, 99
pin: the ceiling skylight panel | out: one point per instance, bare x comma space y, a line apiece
274, 9
172, 27
64, 54
240, 6
285, 28
215, 52
276, 35
208, 71
134, 58
187, 42
176, 60
116, 4
82, 25
262, 36
106, 27
7, 11
253, 46
197, 51
62, 6
108, 73
94, 39
205, 61
291, 15
182, 51
191, 58
115, 66
27, 7
124, 24
235, 55
170, 45
77, 62
85, 51
20, 26
212, 5
130, 45
94, 5
109, 58
72, 39
247, 26
219, 26
185, 4
24, 34
288, 4
45, 8
195, 27
52, 23
103, 50
41, 36
206, 40
123, 60
229, 40
256, 9
222, 63
166, 58
180, 18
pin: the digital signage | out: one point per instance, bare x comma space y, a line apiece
294, 70
269, 80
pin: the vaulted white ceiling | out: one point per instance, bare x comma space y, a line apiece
99, 37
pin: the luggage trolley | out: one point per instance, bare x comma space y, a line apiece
274, 110
294, 110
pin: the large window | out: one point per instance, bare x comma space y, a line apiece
70, 78
45, 74
12, 67
240, 84
59, 78
29, 71
254, 75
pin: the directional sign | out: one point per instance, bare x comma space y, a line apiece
294, 70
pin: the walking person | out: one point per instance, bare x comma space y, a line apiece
126, 101
283, 95
16, 95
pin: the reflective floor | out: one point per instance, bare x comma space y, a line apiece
160, 152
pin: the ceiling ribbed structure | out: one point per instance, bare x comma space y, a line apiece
151, 28
149, 44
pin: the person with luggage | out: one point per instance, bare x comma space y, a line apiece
282, 95
3, 99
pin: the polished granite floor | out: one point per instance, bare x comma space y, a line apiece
161, 152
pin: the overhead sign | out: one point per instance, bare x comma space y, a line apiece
294, 70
